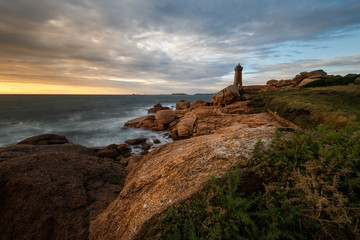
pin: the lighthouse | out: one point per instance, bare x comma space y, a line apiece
238, 76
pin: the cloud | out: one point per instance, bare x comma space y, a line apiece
186, 44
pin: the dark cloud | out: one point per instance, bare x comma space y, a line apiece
182, 43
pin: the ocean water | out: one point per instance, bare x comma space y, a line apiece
89, 120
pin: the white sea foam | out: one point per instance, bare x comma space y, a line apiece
86, 120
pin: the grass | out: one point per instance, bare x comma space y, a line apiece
337, 106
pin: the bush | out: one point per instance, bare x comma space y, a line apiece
330, 81
312, 191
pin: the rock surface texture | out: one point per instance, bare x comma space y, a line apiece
52, 192
299, 80
171, 174
226, 96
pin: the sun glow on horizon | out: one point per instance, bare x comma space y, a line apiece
38, 88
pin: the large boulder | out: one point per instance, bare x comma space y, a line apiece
226, 96
198, 103
307, 80
357, 80
145, 122
165, 116
136, 141
240, 107
272, 82
186, 126
46, 195
45, 139
110, 151
301, 76
170, 175
183, 104
317, 74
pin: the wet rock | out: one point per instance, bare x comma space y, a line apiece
44, 139
136, 141
124, 150
110, 151
156, 141
146, 146
143, 153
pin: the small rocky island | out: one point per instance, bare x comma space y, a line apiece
53, 189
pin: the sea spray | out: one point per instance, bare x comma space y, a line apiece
87, 120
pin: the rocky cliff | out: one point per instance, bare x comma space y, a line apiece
171, 174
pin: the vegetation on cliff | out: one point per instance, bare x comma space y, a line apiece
311, 191
336, 106
331, 81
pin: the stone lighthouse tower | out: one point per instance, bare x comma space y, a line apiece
238, 76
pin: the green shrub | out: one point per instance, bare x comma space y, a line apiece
330, 81
312, 191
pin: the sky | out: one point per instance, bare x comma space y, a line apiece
167, 46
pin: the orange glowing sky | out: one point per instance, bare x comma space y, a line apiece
151, 47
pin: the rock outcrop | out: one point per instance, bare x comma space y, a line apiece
357, 80
165, 117
53, 191
226, 96
299, 80
183, 104
157, 108
172, 174
45, 139
145, 122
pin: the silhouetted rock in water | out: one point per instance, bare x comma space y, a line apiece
171, 174
52, 192
45, 139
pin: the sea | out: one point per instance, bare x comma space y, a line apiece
89, 120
